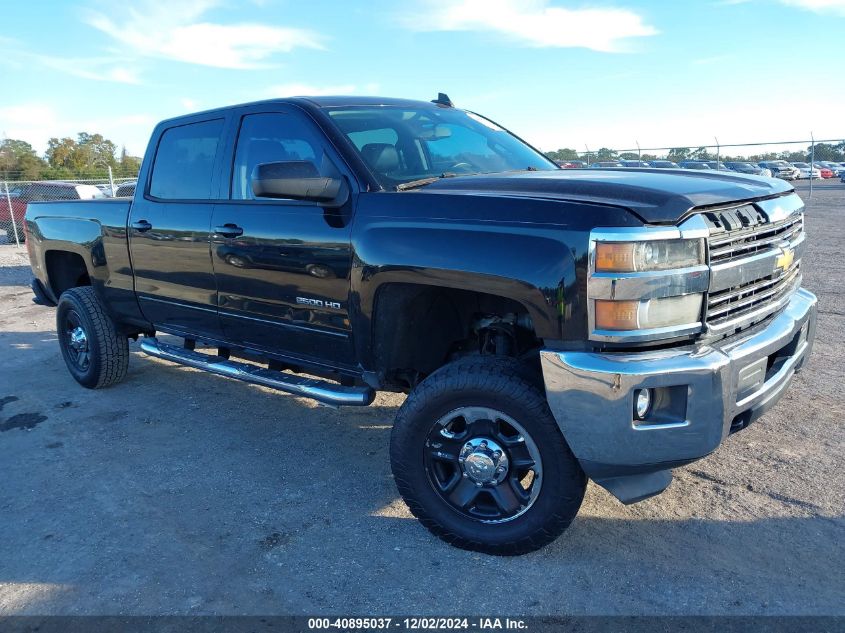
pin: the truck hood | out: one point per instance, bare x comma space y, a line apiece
658, 196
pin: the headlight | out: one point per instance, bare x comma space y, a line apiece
648, 315
647, 283
648, 255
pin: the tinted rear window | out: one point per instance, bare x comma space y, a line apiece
184, 162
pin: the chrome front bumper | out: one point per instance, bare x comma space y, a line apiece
702, 394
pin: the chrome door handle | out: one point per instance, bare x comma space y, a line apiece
228, 230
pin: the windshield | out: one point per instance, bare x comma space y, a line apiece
404, 144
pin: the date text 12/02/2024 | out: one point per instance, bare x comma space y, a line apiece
422, 623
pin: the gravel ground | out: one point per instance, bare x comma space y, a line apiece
178, 492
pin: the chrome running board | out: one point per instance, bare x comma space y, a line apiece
319, 390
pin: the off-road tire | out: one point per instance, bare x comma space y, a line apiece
108, 349
502, 384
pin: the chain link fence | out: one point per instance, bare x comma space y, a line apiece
808, 159
15, 195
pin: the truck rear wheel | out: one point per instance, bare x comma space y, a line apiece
95, 353
480, 461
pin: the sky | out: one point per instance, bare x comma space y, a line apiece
559, 73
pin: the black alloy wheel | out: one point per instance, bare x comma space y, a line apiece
483, 464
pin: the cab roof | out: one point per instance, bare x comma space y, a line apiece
309, 103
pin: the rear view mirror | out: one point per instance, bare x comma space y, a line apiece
434, 132
298, 180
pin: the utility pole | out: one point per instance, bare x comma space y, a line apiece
812, 161
11, 215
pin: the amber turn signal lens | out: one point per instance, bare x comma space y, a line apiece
614, 257
616, 315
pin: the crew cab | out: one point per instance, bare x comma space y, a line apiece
548, 325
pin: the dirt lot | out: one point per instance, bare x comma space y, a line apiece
179, 492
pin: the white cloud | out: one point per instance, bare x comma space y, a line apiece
176, 31
819, 6
37, 122
679, 128
191, 105
534, 22
97, 69
300, 90
14, 54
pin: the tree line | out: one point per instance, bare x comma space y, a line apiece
86, 156
823, 151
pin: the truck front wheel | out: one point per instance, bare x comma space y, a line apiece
480, 461
95, 353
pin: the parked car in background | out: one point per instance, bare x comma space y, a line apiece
828, 165
571, 164
748, 168
13, 190
694, 164
663, 164
125, 190
43, 192
806, 172
634, 163
780, 169
717, 165
606, 164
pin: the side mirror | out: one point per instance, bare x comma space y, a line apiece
298, 180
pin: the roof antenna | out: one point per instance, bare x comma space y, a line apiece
443, 100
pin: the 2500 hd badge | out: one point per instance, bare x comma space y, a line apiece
318, 303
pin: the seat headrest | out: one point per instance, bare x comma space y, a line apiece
382, 157
262, 151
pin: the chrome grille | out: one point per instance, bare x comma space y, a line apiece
743, 242
729, 304
755, 266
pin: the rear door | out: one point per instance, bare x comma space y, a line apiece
169, 230
282, 266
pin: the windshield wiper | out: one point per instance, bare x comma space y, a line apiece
422, 182
519, 171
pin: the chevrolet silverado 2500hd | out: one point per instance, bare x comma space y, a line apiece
548, 325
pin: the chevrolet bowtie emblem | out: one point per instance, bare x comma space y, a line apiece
785, 259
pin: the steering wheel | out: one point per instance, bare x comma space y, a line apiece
464, 166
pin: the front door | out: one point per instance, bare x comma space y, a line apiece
282, 266
169, 231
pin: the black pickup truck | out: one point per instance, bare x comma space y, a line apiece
549, 325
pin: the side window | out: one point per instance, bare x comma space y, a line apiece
269, 138
184, 162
